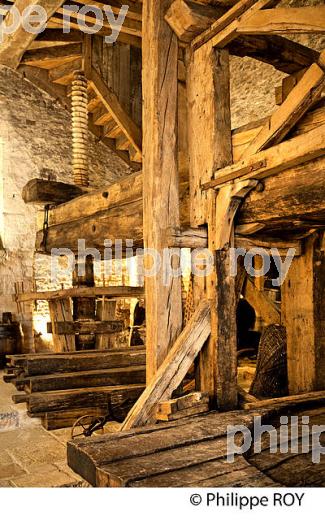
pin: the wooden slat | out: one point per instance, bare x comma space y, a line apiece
291, 400
284, 20
173, 369
51, 57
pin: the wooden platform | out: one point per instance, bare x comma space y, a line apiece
192, 453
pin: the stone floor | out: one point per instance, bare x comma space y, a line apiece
29, 455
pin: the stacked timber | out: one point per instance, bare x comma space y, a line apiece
61, 387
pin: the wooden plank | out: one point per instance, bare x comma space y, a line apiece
290, 400
298, 20
300, 99
272, 161
85, 456
93, 378
83, 292
14, 45
111, 102
105, 310
81, 397
86, 327
50, 364
302, 296
61, 310
40, 191
160, 177
173, 369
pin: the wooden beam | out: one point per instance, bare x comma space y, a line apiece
14, 45
300, 99
83, 292
160, 176
291, 201
304, 317
261, 303
110, 101
188, 19
224, 30
283, 54
173, 369
85, 327
207, 113
272, 161
63, 74
40, 191
243, 136
51, 57
299, 20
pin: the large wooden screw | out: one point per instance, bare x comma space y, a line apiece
79, 102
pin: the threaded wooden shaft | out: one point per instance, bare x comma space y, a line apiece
79, 102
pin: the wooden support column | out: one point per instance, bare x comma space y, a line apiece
160, 176
210, 148
84, 308
303, 294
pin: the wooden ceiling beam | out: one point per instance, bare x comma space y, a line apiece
14, 45
284, 20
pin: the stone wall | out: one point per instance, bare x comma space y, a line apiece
35, 141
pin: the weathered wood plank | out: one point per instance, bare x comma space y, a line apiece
89, 379
50, 364
82, 397
173, 369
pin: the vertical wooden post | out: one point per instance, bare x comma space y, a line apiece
160, 176
210, 148
84, 308
303, 294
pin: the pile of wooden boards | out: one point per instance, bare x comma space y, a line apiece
61, 387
